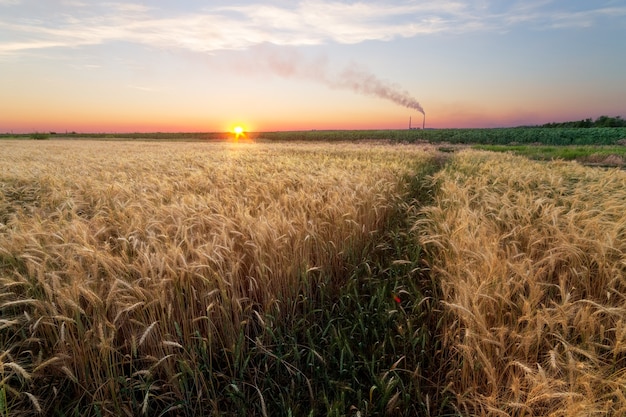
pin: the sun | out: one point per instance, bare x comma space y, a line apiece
238, 132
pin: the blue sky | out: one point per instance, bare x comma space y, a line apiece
317, 64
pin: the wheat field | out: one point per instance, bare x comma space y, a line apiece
531, 262
179, 279
127, 269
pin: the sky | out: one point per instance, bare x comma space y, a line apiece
192, 65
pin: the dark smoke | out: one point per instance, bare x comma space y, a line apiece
363, 82
291, 64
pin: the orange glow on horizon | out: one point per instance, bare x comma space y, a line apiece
440, 117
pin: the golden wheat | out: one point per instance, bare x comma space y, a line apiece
118, 258
532, 263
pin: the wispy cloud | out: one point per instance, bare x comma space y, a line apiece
142, 88
309, 22
586, 18
548, 14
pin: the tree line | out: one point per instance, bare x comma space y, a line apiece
602, 121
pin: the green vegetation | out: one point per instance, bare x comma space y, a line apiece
600, 155
366, 347
502, 136
495, 136
602, 121
39, 136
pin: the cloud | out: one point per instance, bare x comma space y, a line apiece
323, 21
585, 18
142, 88
74, 3
543, 15
307, 22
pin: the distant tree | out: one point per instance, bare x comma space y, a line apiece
602, 121
584, 123
606, 121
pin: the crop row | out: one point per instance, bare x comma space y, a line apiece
494, 136
531, 260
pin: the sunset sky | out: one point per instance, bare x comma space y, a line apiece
192, 65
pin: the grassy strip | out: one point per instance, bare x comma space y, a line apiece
365, 348
603, 155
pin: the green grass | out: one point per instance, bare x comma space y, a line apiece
39, 136
494, 136
584, 154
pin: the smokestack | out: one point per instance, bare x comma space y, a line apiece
409, 122
424, 122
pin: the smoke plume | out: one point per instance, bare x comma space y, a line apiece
291, 64
366, 83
